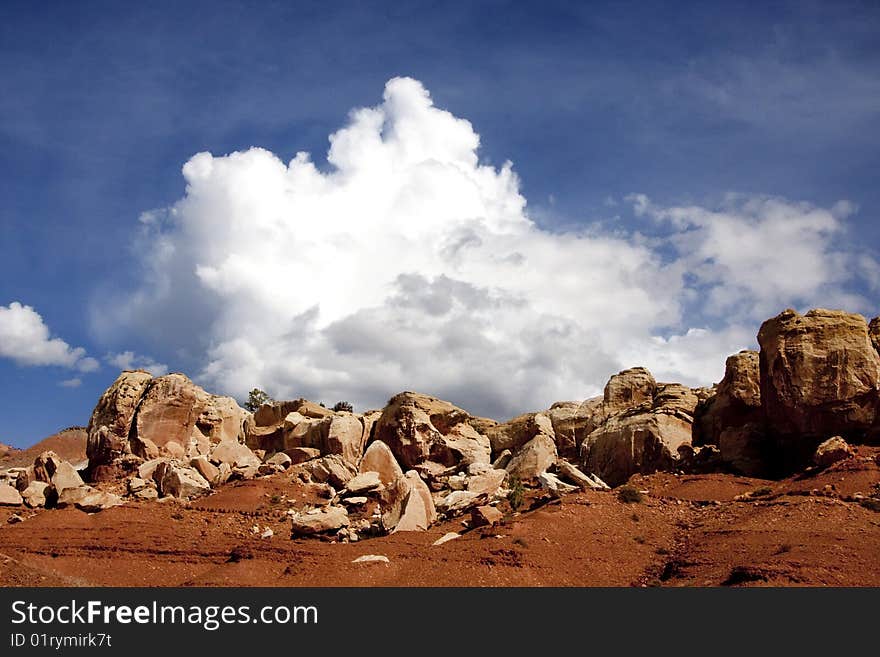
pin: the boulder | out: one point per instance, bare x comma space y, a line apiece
319, 521
9, 496
820, 376
421, 428
449, 536
110, 424
874, 333
533, 458
502, 460
35, 494
460, 500
733, 420
378, 458
485, 516
204, 467
831, 451
517, 432
332, 469
147, 469
363, 482
173, 449
178, 481
68, 496
554, 485
418, 510
45, 466
302, 454
345, 436
96, 501
173, 408
568, 471
65, 476
280, 459
572, 422
236, 454
144, 448
629, 389
487, 482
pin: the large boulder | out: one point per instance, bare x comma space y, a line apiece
345, 436
319, 521
533, 458
110, 423
733, 420
831, 451
420, 428
65, 476
175, 409
574, 421
517, 432
378, 458
820, 377
9, 496
628, 389
178, 481
407, 504
645, 438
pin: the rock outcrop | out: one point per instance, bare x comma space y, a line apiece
820, 377
733, 419
419, 428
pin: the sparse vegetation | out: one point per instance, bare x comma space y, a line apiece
257, 398
630, 495
764, 491
517, 492
342, 406
871, 503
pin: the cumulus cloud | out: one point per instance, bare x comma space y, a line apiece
26, 340
407, 262
128, 360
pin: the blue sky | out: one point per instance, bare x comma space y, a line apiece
684, 103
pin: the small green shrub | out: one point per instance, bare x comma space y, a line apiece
764, 491
343, 406
517, 493
630, 495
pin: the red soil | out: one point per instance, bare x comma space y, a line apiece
689, 530
69, 444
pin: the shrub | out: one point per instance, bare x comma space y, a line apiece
343, 406
629, 495
764, 491
516, 496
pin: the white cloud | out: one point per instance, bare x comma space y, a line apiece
75, 382
408, 263
25, 339
128, 360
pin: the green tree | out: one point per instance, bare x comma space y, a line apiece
343, 406
257, 398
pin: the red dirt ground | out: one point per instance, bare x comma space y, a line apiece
689, 530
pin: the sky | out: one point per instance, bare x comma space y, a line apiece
498, 203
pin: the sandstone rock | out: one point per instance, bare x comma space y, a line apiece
486, 483
485, 516
345, 436
450, 536
302, 454
204, 467
364, 482
35, 494
145, 448
147, 494
280, 459
420, 428
173, 449
68, 496
65, 476
355, 501
319, 521
502, 460
732, 418
173, 406
182, 482
460, 500
831, 451
378, 458
554, 485
372, 558
147, 470
574, 475
236, 454
820, 376
394, 499
517, 432
110, 423
533, 458
629, 389
9, 496
418, 510
638, 441
135, 484
332, 469
96, 501
572, 422
25, 477
45, 466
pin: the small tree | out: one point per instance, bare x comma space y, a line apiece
257, 398
517, 493
343, 406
